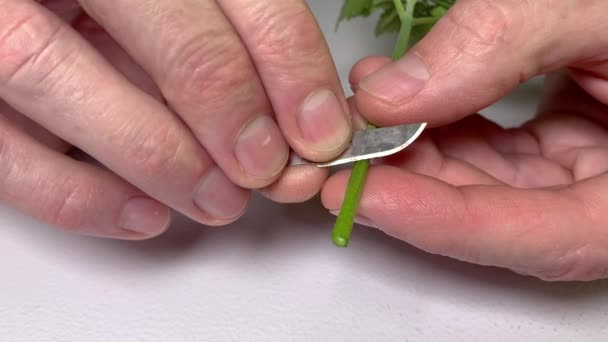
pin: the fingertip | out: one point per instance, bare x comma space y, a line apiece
366, 67
297, 184
144, 218
128, 235
358, 121
594, 83
219, 200
383, 114
332, 193
262, 153
324, 125
374, 78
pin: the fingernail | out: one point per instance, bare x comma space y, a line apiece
399, 81
323, 122
261, 149
145, 216
361, 220
218, 197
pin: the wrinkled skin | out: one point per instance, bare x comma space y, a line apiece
131, 94
531, 199
189, 105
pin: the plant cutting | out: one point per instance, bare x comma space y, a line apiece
412, 19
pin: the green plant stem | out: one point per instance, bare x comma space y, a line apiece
425, 21
406, 16
346, 218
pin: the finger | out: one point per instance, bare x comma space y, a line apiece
552, 234
301, 183
72, 195
479, 52
592, 76
204, 71
54, 77
426, 158
358, 121
68, 10
297, 184
514, 157
33, 129
579, 143
562, 95
494, 155
111, 51
298, 73
117, 56
364, 68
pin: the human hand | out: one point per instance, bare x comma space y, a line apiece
531, 199
177, 99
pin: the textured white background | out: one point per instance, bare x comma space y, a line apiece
275, 276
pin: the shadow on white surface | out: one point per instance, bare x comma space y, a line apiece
276, 234
276, 273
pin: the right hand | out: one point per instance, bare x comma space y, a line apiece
177, 99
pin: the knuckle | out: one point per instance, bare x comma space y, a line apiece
580, 264
156, 153
285, 34
68, 208
596, 271
482, 26
562, 271
204, 70
29, 53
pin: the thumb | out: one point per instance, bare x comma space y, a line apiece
479, 52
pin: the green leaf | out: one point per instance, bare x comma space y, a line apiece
362, 8
389, 22
445, 3
355, 8
419, 31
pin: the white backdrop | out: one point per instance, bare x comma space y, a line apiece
274, 276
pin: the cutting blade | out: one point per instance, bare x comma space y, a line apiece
372, 143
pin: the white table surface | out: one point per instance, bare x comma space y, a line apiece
274, 276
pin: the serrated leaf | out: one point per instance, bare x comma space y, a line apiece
389, 21
355, 8
362, 8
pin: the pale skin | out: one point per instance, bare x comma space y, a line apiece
531, 199
188, 104
143, 90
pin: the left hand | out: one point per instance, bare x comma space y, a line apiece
531, 199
